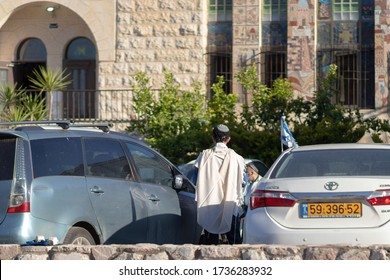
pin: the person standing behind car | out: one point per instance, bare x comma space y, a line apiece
219, 189
253, 178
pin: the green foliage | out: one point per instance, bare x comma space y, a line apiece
10, 95
179, 124
143, 104
164, 120
35, 106
259, 144
221, 107
186, 146
324, 121
19, 105
50, 81
268, 104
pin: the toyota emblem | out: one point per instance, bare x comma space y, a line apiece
331, 186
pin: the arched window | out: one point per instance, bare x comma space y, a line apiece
30, 55
32, 50
81, 49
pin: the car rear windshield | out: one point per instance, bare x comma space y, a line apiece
7, 158
337, 162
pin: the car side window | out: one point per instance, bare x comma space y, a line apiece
7, 158
57, 156
150, 166
106, 158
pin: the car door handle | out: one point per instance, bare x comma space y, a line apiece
153, 198
96, 189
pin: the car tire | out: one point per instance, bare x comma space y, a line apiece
79, 236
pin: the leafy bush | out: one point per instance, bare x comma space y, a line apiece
179, 124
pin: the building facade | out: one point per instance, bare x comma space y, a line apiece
102, 44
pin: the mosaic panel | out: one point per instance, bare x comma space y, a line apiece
220, 34
345, 33
239, 15
274, 34
252, 33
252, 15
367, 9
324, 34
325, 59
324, 10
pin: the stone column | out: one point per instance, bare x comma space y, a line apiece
382, 53
246, 40
301, 55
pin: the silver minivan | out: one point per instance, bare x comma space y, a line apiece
85, 184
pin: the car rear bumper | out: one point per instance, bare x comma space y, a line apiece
269, 232
19, 228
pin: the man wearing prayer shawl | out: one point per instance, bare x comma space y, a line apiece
219, 188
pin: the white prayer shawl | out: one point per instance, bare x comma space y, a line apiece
219, 187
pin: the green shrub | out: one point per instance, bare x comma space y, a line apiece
179, 124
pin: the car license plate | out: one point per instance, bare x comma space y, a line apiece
331, 210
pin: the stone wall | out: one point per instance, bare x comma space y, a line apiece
153, 36
194, 252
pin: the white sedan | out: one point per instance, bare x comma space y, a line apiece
323, 194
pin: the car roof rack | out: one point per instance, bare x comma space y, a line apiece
64, 124
105, 127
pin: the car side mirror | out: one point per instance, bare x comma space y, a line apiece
178, 183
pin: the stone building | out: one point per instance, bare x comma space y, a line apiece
103, 43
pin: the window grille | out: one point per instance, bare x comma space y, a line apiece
346, 38
220, 65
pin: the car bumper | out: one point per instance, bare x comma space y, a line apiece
20, 228
270, 232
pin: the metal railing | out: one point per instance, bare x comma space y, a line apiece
95, 105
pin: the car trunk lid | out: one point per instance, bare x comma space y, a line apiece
336, 202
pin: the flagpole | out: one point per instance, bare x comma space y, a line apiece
281, 131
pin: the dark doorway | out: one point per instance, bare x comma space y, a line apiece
80, 63
30, 55
23, 70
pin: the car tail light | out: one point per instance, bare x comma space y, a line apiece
19, 198
379, 197
261, 199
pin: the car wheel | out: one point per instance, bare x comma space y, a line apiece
79, 236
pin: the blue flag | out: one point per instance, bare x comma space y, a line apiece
285, 134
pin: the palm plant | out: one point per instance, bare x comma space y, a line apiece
49, 81
17, 104
10, 95
35, 106
15, 114
11, 108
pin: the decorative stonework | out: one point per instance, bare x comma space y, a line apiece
382, 53
246, 38
300, 51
